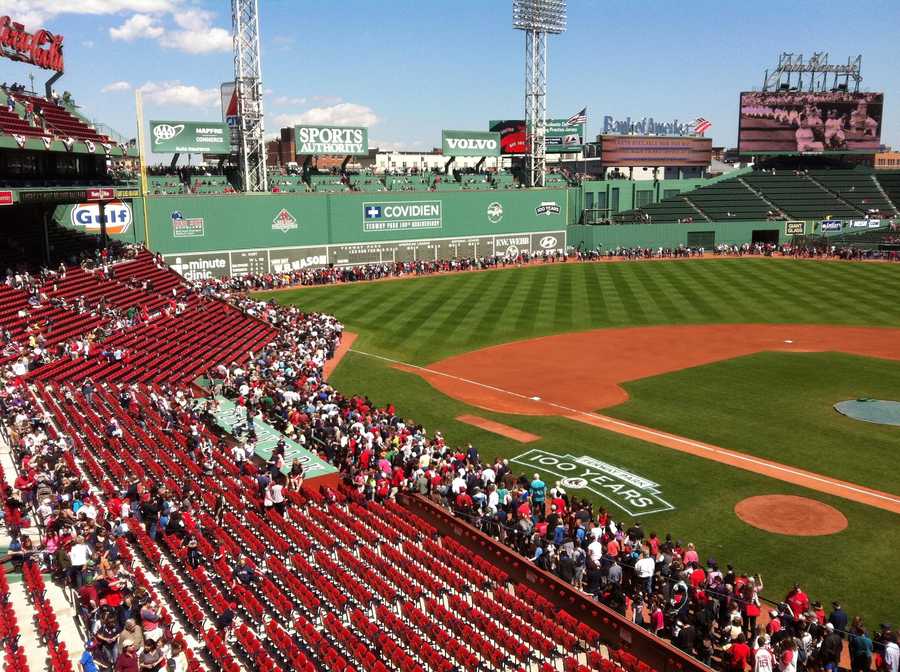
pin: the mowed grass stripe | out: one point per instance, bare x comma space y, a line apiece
526, 318
453, 319
562, 309
660, 294
498, 303
725, 297
692, 294
824, 293
616, 308
778, 306
426, 305
875, 285
634, 312
596, 299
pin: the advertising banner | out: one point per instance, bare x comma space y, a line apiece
561, 136
810, 122
470, 143
874, 223
650, 151
795, 228
831, 225
401, 215
342, 140
190, 227
116, 215
204, 265
190, 137
859, 224
228, 92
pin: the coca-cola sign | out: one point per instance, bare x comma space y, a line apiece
42, 48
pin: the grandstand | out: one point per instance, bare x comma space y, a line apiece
779, 194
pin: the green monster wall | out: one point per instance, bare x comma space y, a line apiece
235, 234
217, 235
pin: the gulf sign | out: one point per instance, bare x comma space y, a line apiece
86, 216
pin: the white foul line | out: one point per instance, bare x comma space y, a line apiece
646, 430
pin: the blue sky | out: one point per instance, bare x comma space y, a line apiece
408, 69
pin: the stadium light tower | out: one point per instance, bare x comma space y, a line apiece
538, 18
248, 89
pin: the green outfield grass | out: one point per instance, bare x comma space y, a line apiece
748, 403
426, 319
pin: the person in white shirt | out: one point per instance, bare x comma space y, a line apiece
763, 661
644, 568
595, 551
78, 558
892, 654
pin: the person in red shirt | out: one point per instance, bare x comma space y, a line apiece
738, 654
463, 501
774, 624
798, 601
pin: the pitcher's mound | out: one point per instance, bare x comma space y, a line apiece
788, 514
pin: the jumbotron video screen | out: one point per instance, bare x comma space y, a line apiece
781, 122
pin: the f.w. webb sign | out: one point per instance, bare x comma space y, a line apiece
345, 140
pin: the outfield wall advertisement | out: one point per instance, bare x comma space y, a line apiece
190, 137
470, 143
202, 265
341, 140
561, 137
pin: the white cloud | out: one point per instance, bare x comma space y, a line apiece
191, 30
349, 114
116, 86
197, 34
138, 26
182, 95
35, 13
287, 100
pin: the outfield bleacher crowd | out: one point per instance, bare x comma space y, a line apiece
120, 485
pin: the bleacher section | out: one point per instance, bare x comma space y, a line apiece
808, 195
179, 336
165, 185
211, 184
61, 122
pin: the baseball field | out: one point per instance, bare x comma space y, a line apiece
670, 392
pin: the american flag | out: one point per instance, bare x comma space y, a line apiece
577, 118
701, 125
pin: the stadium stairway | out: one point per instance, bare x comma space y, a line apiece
343, 583
697, 209
884, 195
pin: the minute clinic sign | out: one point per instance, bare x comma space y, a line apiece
41, 48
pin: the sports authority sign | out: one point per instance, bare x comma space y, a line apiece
42, 48
402, 215
189, 137
345, 140
633, 494
470, 143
